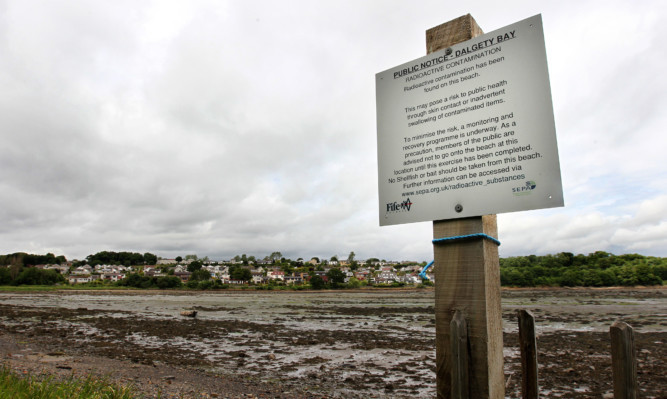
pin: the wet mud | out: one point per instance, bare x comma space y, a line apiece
318, 344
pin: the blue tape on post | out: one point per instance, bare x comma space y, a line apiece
452, 239
467, 236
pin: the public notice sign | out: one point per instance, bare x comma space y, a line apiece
469, 130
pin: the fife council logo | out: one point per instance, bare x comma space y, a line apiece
526, 189
404, 206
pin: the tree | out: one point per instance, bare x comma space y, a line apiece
572, 278
334, 258
179, 259
135, 259
194, 265
5, 277
240, 273
15, 270
49, 259
287, 268
193, 257
645, 275
317, 282
150, 259
565, 258
138, 281
116, 258
168, 282
353, 283
34, 276
206, 284
200, 275
275, 256
350, 257
336, 277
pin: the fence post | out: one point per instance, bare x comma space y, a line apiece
458, 329
528, 345
623, 363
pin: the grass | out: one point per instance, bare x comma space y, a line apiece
63, 287
15, 386
22, 288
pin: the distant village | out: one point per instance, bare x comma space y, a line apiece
565, 269
265, 271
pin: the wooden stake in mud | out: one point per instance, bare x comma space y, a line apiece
467, 274
528, 346
623, 362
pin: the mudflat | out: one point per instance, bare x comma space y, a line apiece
323, 344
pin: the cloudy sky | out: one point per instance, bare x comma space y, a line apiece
226, 127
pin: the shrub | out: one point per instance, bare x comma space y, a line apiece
317, 282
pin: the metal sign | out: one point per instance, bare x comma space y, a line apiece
469, 130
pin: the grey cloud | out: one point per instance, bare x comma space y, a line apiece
220, 129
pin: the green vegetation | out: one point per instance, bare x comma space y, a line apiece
22, 258
15, 386
317, 282
598, 269
239, 273
121, 258
16, 269
20, 275
137, 280
31, 288
336, 277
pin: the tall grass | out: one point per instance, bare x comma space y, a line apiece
15, 386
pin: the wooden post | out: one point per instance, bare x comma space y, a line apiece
467, 274
623, 363
528, 345
459, 341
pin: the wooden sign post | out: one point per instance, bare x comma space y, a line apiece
467, 275
464, 131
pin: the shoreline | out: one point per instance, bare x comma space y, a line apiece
138, 291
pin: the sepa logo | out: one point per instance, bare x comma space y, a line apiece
399, 207
526, 189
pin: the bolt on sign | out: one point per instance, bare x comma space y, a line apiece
469, 130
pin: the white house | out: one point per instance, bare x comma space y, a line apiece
79, 279
276, 275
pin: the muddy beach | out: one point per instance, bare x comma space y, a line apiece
317, 344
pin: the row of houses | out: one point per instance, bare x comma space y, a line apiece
264, 262
260, 275
385, 275
87, 274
